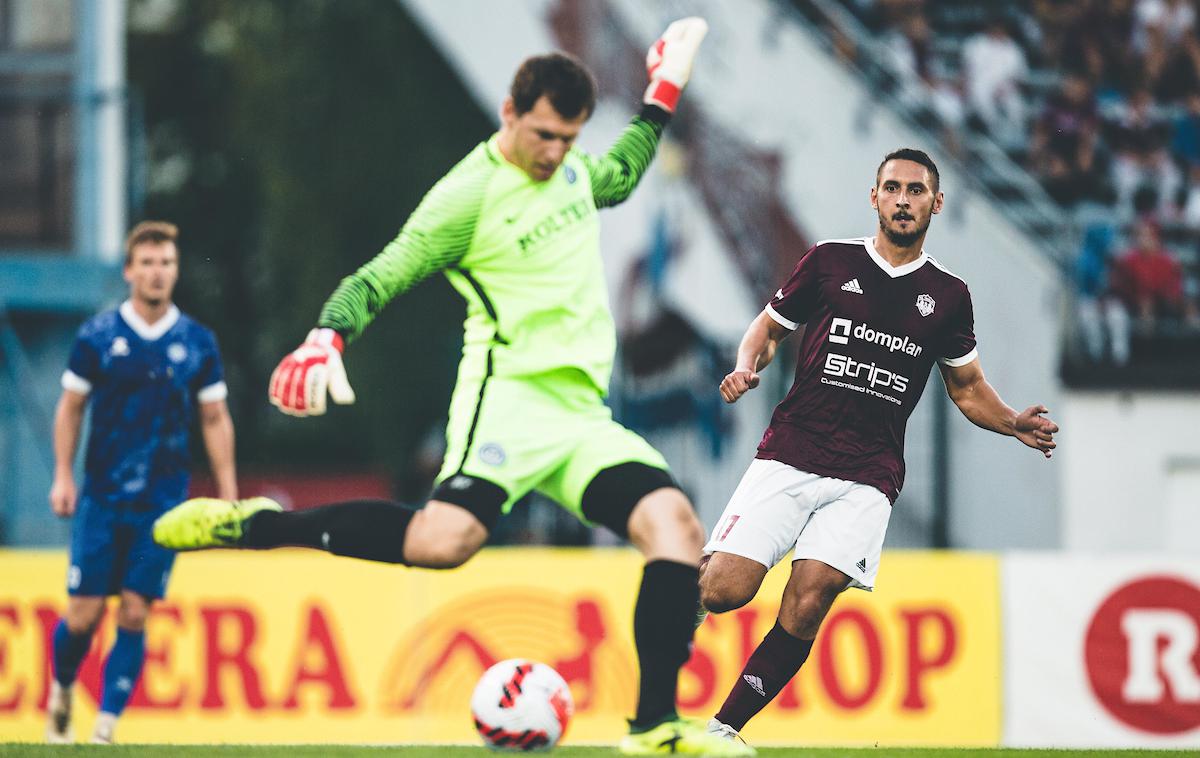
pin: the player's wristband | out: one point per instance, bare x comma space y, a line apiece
655, 114
328, 337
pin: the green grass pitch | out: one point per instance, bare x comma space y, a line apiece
438, 751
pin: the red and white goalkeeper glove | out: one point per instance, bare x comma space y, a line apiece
669, 61
299, 383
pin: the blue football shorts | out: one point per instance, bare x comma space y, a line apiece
112, 549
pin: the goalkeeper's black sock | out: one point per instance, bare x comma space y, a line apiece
663, 625
369, 529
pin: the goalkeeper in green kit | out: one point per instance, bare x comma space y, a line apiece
514, 228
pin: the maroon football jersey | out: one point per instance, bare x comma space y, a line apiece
871, 337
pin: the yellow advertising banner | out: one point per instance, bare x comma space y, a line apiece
297, 647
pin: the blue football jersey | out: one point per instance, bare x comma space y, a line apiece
144, 382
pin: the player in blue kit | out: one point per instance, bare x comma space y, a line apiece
146, 369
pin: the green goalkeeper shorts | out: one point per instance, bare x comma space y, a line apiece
548, 432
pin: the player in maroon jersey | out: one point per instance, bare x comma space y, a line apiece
877, 313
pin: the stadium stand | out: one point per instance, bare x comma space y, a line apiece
1098, 102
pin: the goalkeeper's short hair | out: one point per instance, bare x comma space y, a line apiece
562, 78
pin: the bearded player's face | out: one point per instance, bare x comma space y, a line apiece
541, 137
906, 200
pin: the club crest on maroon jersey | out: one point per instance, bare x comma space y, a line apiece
925, 304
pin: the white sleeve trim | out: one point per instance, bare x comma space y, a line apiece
76, 383
213, 392
956, 362
780, 319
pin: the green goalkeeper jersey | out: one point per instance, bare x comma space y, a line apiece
524, 254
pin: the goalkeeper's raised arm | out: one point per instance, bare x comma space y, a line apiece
669, 66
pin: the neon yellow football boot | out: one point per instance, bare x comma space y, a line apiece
682, 737
205, 522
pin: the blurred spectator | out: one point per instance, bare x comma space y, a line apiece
1058, 22
1174, 71
1185, 145
1105, 48
1164, 41
1185, 137
1190, 213
1103, 320
1139, 140
994, 67
895, 12
907, 45
1165, 21
881, 15
1063, 146
1149, 282
910, 52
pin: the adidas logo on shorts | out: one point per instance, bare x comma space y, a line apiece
862, 565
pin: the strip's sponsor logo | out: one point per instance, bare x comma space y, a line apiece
876, 377
870, 378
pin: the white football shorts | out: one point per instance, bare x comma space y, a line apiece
777, 508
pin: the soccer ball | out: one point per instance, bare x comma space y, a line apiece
521, 705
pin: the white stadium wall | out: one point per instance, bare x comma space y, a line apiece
1133, 464
764, 83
